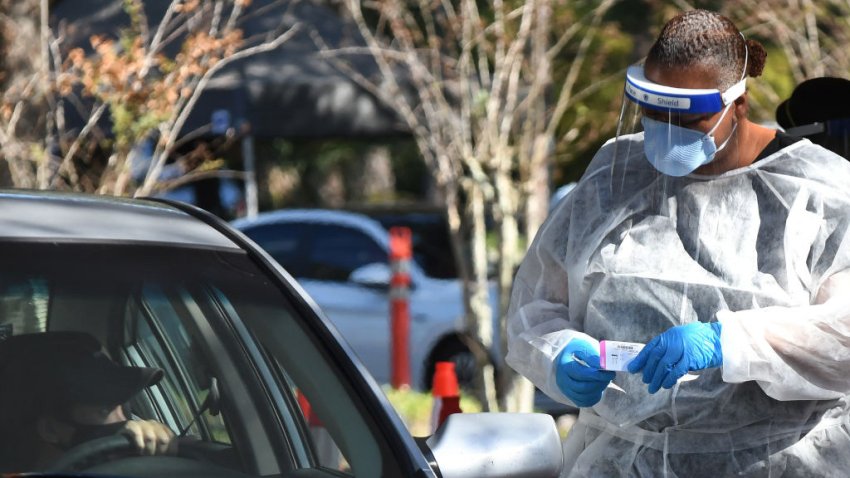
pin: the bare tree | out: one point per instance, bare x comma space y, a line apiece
813, 36
147, 93
475, 89
19, 30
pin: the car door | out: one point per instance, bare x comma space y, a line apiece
360, 313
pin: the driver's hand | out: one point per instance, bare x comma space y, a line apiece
151, 437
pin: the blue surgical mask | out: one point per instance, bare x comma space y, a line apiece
677, 151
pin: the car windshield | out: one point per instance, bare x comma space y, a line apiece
221, 331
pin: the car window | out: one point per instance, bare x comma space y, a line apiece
336, 251
318, 439
158, 332
284, 242
325, 449
432, 247
340, 434
211, 320
23, 306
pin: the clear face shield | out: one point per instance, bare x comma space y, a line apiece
683, 129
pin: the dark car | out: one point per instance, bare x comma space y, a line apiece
245, 352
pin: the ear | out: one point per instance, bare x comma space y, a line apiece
742, 106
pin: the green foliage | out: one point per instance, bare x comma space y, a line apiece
126, 39
592, 116
38, 152
776, 80
134, 9
312, 161
129, 125
415, 408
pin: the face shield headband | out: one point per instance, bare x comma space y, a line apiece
680, 100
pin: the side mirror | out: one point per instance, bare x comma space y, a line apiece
497, 445
375, 276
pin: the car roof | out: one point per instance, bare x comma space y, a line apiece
53, 216
317, 216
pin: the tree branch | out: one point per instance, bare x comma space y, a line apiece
159, 162
67, 163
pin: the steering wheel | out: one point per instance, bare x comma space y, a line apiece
95, 451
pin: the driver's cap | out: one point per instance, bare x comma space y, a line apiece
47, 372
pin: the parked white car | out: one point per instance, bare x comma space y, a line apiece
341, 260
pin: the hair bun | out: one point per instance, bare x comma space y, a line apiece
757, 56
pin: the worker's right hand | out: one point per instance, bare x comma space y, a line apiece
151, 437
583, 383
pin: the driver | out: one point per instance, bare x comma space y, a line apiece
58, 390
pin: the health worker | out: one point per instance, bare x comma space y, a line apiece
720, 244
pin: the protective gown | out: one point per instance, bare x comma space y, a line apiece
763, 249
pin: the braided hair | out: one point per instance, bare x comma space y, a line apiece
700, 37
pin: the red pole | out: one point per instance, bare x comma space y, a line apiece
401, 252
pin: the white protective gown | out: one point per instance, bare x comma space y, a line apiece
764, 249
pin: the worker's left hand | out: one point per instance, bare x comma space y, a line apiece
677, 351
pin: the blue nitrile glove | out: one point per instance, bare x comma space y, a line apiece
581, 383
677, 351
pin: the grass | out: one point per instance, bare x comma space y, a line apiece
415, 408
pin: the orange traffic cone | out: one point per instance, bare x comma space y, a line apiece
445, 393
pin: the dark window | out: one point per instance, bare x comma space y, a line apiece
284, 242
335, 252
195, 314
432, 247
164, 340
23, 306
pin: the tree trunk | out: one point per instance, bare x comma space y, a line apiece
481, 313
537, 202
518, 392
509, 251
